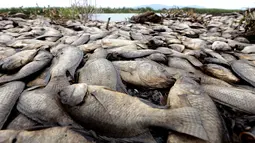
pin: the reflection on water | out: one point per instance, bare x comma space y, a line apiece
114, 16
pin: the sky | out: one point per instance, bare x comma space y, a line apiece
227, 4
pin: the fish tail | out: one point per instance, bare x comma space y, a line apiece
57, 83
183, 120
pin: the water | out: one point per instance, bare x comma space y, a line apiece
114, 16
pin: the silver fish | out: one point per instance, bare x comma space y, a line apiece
99, 71
186, 92
237, 98
21, 122
144, 73
115, 114
17, 60
42, 106
41, 60
9, 94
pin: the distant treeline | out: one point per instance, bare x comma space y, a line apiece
41, 10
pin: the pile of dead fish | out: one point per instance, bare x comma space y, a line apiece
172, 82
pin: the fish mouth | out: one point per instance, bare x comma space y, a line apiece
247, 137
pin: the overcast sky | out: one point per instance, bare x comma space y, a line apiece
228, 4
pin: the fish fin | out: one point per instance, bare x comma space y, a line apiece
184, 120
57, 83
33, 88
184, 99
188, 121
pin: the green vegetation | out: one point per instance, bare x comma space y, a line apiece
68, 10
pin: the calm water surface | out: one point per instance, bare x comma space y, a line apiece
114, 16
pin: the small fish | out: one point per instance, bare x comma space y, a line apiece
41, 60
9, 94
115, 114
47, 135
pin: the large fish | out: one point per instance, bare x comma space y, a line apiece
144, 73
99, 71
186, 92
245, 70
41, 60
221, 73
9, 94
48, 135
66, 62
17, 60
6, 52
116, 114
43, 107
236, 98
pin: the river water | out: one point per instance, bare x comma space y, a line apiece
114, 16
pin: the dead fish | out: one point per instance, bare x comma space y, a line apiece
135, 53
50, 32
177, 47
249, 49
115, 114
66, 62
157, 57
181, 63
83, 39
245, 70
30, 44
220, 46
211, 60
221, 73
186, 92
42, 106
41, 80
144, 73
228, 57
9, 94
41, 60
250, 57
21, 122
6, 52
89, 47
48, 135
214, 54
193, 43
111, 43
98, 36
99, 71
236, 98
17, 60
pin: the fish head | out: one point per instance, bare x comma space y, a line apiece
189, 85
74, 94
99, 53
43, 55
